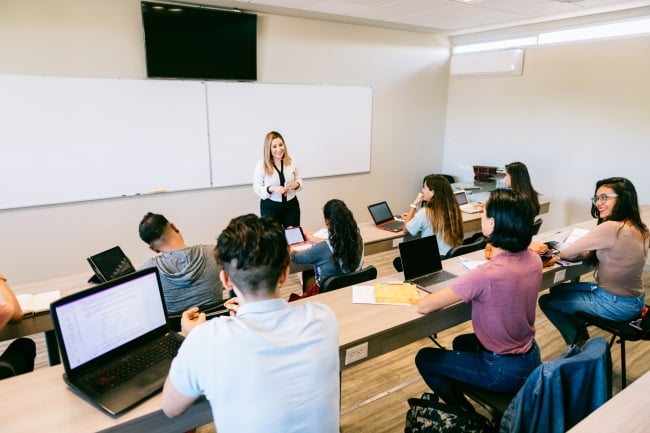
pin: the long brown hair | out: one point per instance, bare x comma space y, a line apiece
443, 211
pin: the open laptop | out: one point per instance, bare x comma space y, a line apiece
384, 218
422, 263
464, 204
296, 239
115, 342
109, 265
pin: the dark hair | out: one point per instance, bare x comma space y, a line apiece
443, 211
520, 181
253, 251
344, 235
627, 203
512, 220
152, 227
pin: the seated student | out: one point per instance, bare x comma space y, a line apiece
19, 356
274, 366
340, 253
619, 247
502, 352
517, 178
440, 215
189, 275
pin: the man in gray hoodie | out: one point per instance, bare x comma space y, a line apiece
189, 275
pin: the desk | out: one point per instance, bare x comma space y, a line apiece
378, 240
41, 402
626, 412
382, 327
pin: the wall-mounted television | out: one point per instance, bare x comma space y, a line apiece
200, 42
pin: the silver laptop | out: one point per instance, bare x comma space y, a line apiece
384, 218
115, 342
464, 203
422, 263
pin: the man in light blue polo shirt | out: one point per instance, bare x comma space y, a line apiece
271, 366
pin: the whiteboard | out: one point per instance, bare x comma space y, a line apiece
74, 139
77, 139
327, 129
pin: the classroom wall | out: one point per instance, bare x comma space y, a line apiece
94, 38
580, 112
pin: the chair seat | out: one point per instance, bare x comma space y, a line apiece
621, 329
494, 402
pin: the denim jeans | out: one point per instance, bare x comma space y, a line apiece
475, 366
562, 303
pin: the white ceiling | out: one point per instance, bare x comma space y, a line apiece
447, 17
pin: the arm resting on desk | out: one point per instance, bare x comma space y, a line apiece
437, 300
173, 402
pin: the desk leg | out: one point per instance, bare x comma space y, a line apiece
52, 347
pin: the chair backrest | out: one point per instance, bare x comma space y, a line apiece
561, 392
478, 244
536, 226
338, 281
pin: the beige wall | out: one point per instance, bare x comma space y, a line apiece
91, 38
580, 112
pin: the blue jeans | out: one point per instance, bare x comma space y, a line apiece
469, 363
562, 303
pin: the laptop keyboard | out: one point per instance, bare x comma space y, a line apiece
127, 367
431, 279
395, 225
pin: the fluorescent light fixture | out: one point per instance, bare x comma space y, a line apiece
496, 45
624, 28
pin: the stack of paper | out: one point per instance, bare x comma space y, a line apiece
37, 303
394, 294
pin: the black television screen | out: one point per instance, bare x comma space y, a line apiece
199, 42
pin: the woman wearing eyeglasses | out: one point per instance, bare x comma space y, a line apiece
618, 246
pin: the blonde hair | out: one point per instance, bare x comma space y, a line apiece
268, 158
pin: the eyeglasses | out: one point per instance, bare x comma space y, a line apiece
603, 197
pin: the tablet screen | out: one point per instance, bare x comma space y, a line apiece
294, 235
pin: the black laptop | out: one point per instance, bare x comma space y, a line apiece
384, 218
115, 342
109, 264
422, 263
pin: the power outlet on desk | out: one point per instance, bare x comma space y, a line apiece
397, 241
356, 353
559, 276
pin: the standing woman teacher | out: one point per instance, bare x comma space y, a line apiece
276, 180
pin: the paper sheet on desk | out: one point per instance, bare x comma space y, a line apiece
472, 264
575, 234
392, 294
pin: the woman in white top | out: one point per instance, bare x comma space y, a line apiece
276, 180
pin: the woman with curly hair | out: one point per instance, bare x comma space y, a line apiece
340, 253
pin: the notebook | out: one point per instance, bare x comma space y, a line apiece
115, 342
422, 263
384, 218
109, 265
464, 204
296, 239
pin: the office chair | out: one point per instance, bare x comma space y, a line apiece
556, 395
621, 330
536, 226
211, 310
338, 281
475, 245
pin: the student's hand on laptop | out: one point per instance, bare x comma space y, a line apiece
190, 319
232, 305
